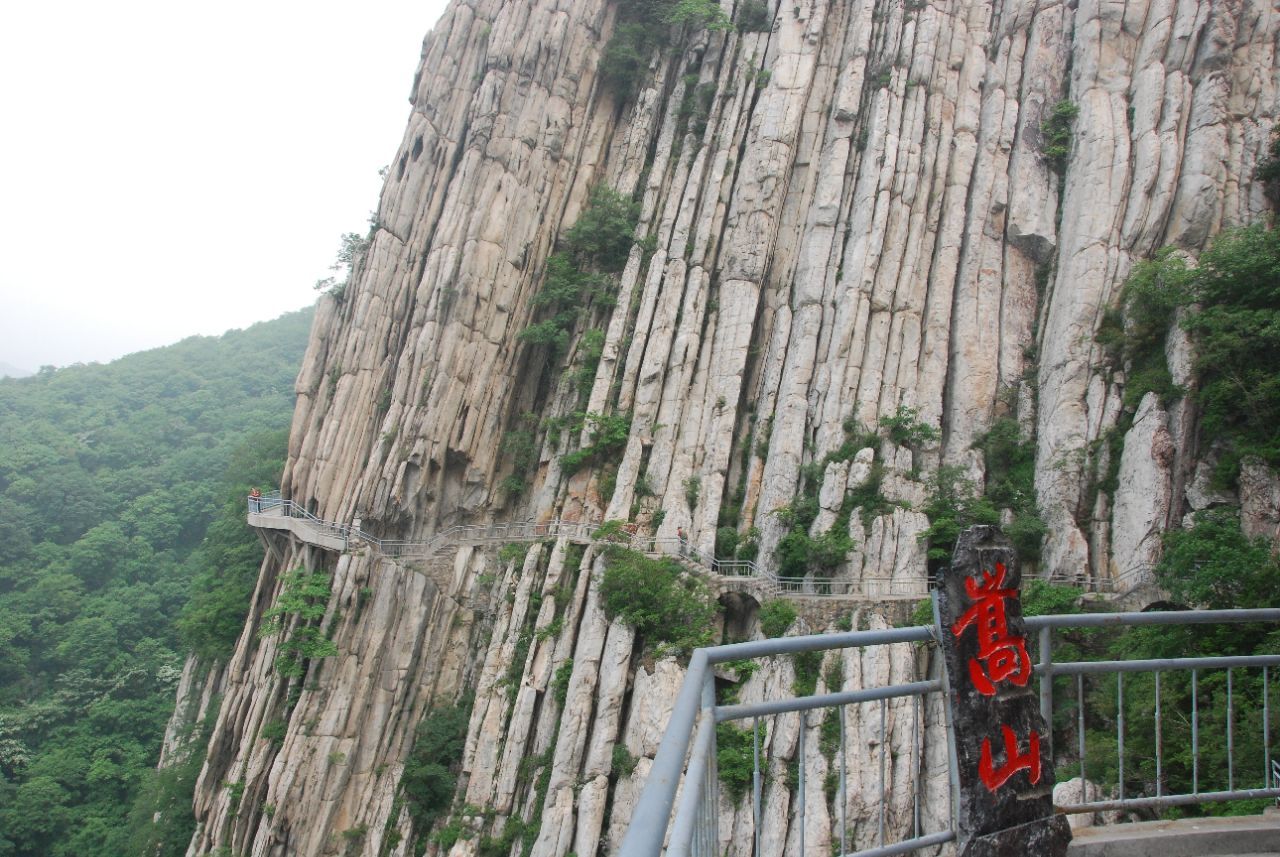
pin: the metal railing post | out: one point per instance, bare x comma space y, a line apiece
755, 786
711, 809
800, 808
953, 760
1046, 681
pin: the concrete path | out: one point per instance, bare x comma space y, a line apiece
1242, 836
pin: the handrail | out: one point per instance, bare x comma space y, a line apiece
693, 830
866, 588
653, 811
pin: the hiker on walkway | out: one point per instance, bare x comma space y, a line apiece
684, 541
255, 500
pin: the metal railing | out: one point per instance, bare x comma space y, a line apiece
731, 571
693, 828
1156, 791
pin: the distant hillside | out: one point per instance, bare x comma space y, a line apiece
110, 476
8, 370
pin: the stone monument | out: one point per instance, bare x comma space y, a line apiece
1003, 765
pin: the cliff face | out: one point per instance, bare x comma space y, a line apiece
849, 212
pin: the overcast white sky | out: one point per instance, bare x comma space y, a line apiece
170, 168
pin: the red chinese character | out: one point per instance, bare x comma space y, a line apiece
993, 777
1003, 656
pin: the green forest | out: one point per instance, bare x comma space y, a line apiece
123, 548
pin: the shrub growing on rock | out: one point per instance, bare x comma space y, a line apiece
658, 598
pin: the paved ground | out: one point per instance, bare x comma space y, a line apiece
1246, 836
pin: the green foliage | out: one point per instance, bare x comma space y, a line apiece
1216, 566
657, 598
829, 731
431, 769
753, 16
603, 234
833, 675
907, 429
749, 544
501, 845
798, 552
225, 565
700, 14
579, 276
567, 291
611, 531
235, 791
1150, 297
807, 665
692, 488
735, 759
608, 437
695, 106
1235, 325
726, 542
626, 56
623, 762
590, 349
922, 613
513, 552
161, 821
446, 836
122, 493
351, 249
274, 731
1057, 134
1231, 300
1198, 565
521, 446
953, 506
868, 497
1010, 483
560, 682
776, 617
1268, 171
303, 599
792, 554
1042, 598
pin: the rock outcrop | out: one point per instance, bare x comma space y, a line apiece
846, 213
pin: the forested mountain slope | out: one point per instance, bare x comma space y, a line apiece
110, 476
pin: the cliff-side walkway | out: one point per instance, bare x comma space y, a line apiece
275, 513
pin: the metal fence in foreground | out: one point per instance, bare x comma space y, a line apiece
1156, 697
692, 828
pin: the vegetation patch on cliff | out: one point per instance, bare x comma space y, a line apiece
664, 603
578, 276
431, 769
296, 616
1229, 304
799, 551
